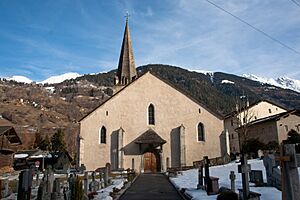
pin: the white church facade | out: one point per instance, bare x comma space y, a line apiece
147, 125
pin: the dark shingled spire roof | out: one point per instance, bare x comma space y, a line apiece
126, 68
149, 137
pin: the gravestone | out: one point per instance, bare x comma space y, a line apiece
232, 178
269, 163
106, 174
94, 185
71, 181
208, 183
244, 168
1, 181
86, 182
42, 191
289, 172
67, 193
256, 176
5, 192
37, 181
25, 183
200, 178
211, 183
56, 194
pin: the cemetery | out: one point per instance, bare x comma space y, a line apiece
273, 176
32, 184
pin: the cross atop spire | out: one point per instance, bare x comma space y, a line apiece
126, 68
127, 16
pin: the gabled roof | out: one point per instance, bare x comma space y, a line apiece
149, 137
166, 82
254, 104
274, 117
7, 129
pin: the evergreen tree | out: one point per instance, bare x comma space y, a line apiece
58, 141
38, 140
45, 144
293, 137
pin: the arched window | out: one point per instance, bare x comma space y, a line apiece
151, 114
201, 134
102, 134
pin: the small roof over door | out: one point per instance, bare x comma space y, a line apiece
149, 137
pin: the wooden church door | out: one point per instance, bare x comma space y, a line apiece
150, 162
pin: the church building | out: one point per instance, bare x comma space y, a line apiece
148, 124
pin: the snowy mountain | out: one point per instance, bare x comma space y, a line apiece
20, 79
50, 80
60, 78
283, 82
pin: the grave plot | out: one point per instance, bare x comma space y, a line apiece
258, 182
49, 186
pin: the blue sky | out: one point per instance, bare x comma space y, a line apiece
41, 38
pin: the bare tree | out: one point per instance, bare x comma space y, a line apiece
244, 116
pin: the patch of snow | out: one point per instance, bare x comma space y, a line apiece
20, 79
189, 180
103, 194
282, 82
50, 89
60, 78
227, 81
21, 155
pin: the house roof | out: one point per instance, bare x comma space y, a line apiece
166, 82
10, 133
149, 137
274, 117
254, 104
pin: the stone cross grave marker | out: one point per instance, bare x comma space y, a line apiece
244, 168
25, 183
289, 163
200, 178
232, 178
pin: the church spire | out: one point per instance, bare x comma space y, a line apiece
126, 68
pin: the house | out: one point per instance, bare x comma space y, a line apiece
275, 127
9, 142
58, 161
148, 124
244, 115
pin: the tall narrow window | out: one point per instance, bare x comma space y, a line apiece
102, 138
201, 136
151, 115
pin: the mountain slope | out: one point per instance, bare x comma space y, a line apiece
283, 82
40, 108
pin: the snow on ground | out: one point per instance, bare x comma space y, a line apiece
189, 180
103, 194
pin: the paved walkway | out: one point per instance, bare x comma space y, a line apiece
151, 187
